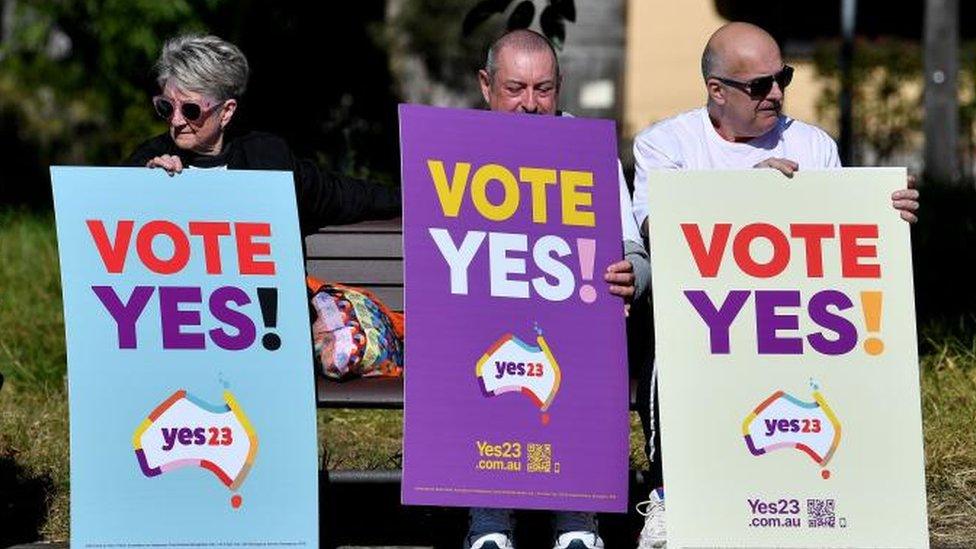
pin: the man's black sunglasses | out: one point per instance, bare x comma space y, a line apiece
758, 88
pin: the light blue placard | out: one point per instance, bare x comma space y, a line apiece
115, 499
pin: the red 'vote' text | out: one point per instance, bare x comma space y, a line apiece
115, 251
854, 252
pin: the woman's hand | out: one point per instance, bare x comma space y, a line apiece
172, 164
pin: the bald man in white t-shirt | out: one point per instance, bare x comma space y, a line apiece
741, 126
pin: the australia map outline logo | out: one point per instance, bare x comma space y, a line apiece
511, 365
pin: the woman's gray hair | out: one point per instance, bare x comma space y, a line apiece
203, 64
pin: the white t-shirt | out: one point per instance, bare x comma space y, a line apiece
628, 224
688, 141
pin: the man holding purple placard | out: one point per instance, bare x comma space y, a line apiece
522, 76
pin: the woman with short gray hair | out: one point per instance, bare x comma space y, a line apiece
203, 63
201, 79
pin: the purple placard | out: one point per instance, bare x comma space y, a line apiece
516, 383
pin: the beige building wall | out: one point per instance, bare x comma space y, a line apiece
663, 64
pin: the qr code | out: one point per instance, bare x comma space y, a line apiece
820, 513
540, 458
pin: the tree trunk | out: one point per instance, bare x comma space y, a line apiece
941, 91
848, 16
7, 9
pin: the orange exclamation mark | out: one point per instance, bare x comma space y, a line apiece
871, 303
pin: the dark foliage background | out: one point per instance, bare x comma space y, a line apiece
76, 80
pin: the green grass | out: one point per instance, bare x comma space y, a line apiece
32, 350
949, 418
34, 415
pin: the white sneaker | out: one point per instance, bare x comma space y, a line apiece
495, 540
578, 539
653, 535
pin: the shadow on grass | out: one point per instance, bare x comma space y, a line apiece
942, 241
23, 503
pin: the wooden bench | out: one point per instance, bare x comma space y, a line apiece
367, 255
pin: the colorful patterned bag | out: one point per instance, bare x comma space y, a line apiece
354, 333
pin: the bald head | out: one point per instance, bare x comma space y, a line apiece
740, 65
737, 48
521, 41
